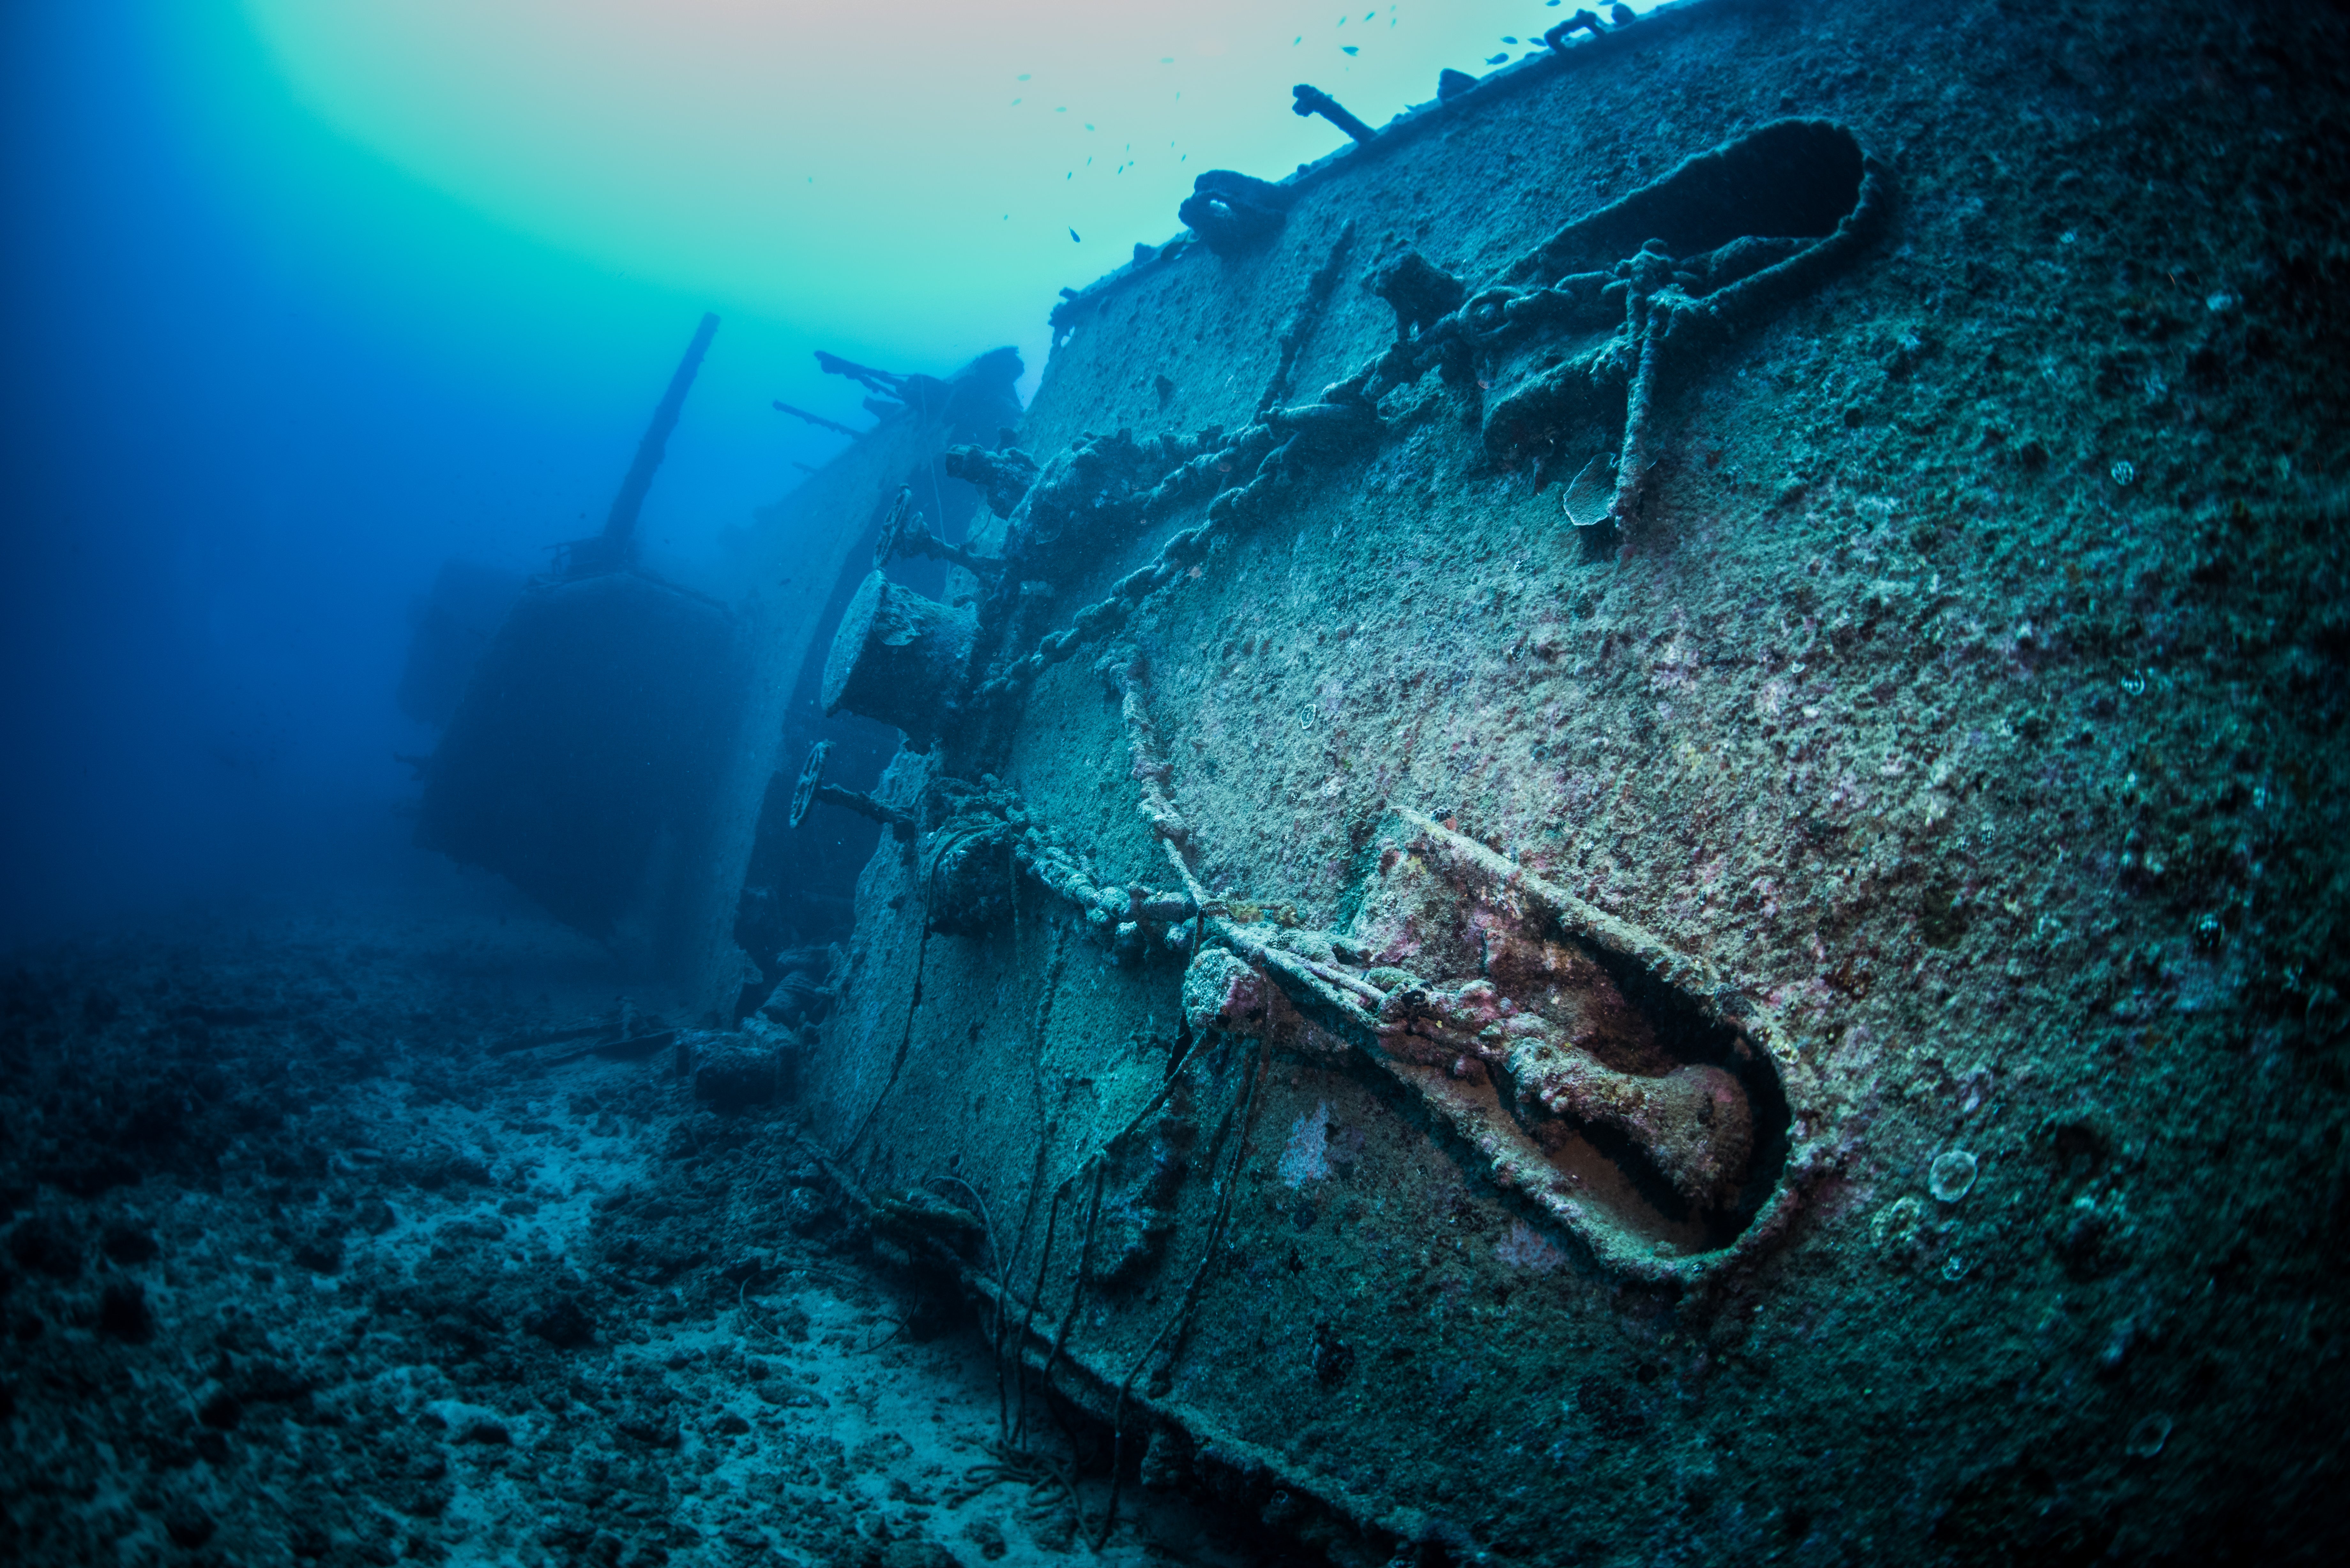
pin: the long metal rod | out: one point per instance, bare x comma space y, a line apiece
622, 526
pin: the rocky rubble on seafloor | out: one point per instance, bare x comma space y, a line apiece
323, 1247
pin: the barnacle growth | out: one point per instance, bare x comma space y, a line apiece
1951, 1176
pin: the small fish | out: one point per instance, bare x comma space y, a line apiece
1348, 49
1073, 234
1497, 59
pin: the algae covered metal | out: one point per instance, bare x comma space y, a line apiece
1670, 913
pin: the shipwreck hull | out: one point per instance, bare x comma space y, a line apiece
1859, 858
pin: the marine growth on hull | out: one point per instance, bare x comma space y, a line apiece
1590, 1068
1555, 1043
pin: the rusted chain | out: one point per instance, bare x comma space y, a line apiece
1345, 421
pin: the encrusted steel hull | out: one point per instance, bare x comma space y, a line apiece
1452, 917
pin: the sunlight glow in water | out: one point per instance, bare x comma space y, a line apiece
916, 166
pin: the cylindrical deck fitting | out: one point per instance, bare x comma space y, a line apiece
897, 657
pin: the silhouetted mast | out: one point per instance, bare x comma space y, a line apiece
619, 528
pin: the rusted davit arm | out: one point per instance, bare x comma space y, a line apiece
1312, 100
612, 549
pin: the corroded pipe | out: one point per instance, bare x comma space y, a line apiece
1312, 100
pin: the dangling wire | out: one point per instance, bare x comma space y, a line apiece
922, 950
1179, 1319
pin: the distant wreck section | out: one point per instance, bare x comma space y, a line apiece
611, 740
584, 759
